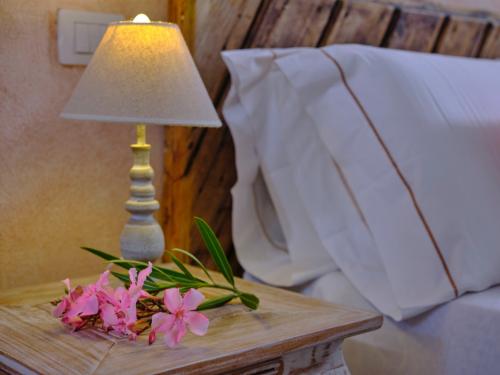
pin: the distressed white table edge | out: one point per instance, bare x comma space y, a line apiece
321, 359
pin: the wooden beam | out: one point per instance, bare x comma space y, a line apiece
225, 25
416, 30
491, 47
361, 22
297, 23
177, 192
183, 13
213, 197
462, 36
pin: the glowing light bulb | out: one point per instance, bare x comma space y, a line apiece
141, 18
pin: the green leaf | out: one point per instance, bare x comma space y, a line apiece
121, 277
157, 287
196, 260
181, 266
100, 253
249, 300
179, 276
216, 302
215, 249
184, 290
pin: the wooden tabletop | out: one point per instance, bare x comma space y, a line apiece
30, 337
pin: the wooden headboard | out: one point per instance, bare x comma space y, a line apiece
199, 163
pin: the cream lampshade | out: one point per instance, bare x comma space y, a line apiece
142, 73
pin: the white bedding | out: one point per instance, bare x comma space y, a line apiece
459, 337
258, 253
375, 164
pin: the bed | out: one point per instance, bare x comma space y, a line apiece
439, 326
459, 337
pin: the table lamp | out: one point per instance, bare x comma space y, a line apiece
142, 73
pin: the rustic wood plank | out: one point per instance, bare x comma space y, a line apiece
293, 23
221, 221
178, 145
491, 47
361, 22
479, 8
416, 30
264, 24
223, 230
215, 170
224, 26
183, 13
177, 190
325, 358
237, 338
31, 334
462, 36
214, 192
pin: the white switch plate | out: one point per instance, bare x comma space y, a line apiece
79, 33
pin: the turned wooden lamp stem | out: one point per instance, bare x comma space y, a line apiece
141, 134
142, 238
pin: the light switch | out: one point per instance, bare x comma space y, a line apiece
95, 33
82, 42
79, 34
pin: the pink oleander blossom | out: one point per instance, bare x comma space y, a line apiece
182, 317
118, 309
80, 302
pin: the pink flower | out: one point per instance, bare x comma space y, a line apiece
137, 282
101, 285
182, 315
118, 309
79, 303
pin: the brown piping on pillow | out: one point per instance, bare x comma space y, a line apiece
350, 193
398, 171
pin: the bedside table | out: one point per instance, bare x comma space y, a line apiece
289, 333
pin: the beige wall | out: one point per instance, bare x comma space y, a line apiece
62, 183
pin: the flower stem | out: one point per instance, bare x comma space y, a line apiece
217, 286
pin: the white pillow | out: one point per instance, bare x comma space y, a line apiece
409, 204
258, 156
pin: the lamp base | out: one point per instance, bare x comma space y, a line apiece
142, 238
142, 241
